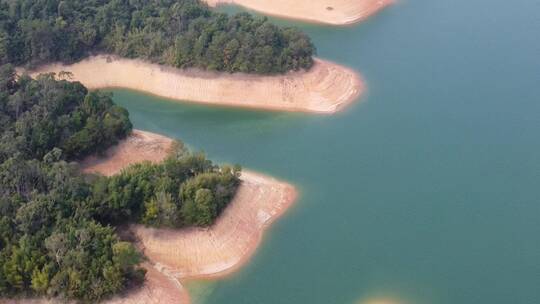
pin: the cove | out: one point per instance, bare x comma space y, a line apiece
426, 192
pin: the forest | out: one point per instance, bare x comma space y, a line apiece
178, 33
58, 234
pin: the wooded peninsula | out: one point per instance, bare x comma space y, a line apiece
181, 34
56, 234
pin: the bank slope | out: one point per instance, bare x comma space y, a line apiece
333, 12
326, 88
182, 254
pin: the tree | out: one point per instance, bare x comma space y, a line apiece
126, 256
41, 279
182, 33
161, 210
199, 210
56, 233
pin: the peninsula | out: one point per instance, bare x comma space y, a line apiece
333, 12
325, 88
180, 50
84, 197
191, 253
206, 220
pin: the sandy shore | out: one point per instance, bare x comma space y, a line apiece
179, 255
326, 88
158, 288
213, 251
175, 256
230, 242
140, 146
334, 12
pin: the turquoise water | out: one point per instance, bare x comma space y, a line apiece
426, 192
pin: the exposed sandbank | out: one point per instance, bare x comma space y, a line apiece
158, 288
196, 252
138, 147
184, 254
326, 88
333, 12
176, 255
230, 242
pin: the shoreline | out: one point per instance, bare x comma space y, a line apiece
176, 256
139, 146
325, 89
227, 245
181, 255
329, 12
158, 288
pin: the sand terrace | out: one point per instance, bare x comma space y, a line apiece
333, 12
326, 88
178, 255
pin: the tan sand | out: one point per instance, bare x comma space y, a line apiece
230, 242
326, 88
334, 12
184, 254
158, 288
195, 252
140, 146
214, 251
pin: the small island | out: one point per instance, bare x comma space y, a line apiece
332, 12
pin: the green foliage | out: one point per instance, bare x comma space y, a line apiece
55, 233
41, 279
166, 194
181, 33
49, 242
39, 115
161, 210
52, 246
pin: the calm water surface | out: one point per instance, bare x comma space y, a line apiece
426, 192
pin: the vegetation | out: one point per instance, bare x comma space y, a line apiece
39, 115
56, 225
184, 190
180, 33
50, 244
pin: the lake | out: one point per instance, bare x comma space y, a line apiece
427, 191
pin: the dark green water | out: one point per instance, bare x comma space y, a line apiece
426, 192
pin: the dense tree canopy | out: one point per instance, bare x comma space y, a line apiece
184, 190
39, 115
56, 225
180, 33
49, 242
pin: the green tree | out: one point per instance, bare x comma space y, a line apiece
182, 33
125, 256
56, 234
201, 210
40, 280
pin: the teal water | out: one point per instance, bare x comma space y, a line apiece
426, 192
